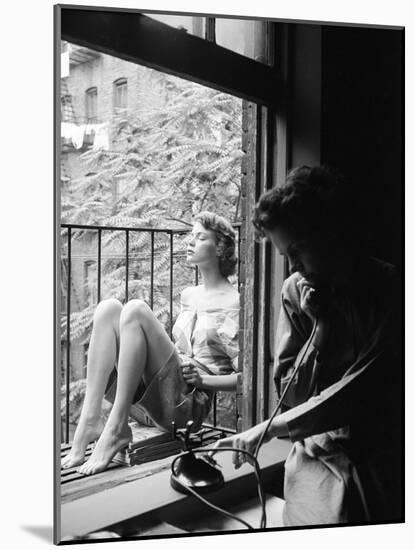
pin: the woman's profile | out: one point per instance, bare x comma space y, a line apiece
134, 364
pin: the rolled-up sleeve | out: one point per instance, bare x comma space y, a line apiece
369, 387
293, 332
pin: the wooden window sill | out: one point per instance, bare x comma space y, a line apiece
153, 495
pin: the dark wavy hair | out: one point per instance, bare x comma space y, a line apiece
317, 204
225, 238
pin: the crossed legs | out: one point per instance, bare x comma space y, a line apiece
134, 336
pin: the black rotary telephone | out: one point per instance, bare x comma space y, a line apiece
190, 471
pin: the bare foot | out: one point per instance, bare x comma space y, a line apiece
111, 441
85, 432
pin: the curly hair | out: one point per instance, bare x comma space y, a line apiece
315, 204
225, 238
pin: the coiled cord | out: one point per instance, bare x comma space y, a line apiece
204, 450
280, 400
277, 408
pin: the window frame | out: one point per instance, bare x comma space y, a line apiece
139, 40
151, 43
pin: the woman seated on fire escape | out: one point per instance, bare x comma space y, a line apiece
135, 365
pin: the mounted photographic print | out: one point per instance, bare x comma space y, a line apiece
228, 297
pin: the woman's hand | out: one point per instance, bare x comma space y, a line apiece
245, 441
309, 298
315, 305
191, 375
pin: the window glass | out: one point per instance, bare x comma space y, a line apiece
242, 36
193, 25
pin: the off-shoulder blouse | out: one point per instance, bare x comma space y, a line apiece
209, 335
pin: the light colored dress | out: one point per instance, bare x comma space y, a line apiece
344, 408
206, 336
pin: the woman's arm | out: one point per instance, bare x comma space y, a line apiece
292, 343
222, 382
339, 405
249, 439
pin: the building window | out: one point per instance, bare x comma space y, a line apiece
120, 94
91, 105
66, 108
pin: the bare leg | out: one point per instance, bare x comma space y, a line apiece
144, 349
102, 357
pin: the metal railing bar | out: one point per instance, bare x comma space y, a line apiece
99, 266
122, 228
215, 409
127, 239
266, 338
114, 256
152, 271
171, 285
239, 248
68, 337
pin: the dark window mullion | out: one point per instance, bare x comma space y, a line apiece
152, 271
265, 181
210, 29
